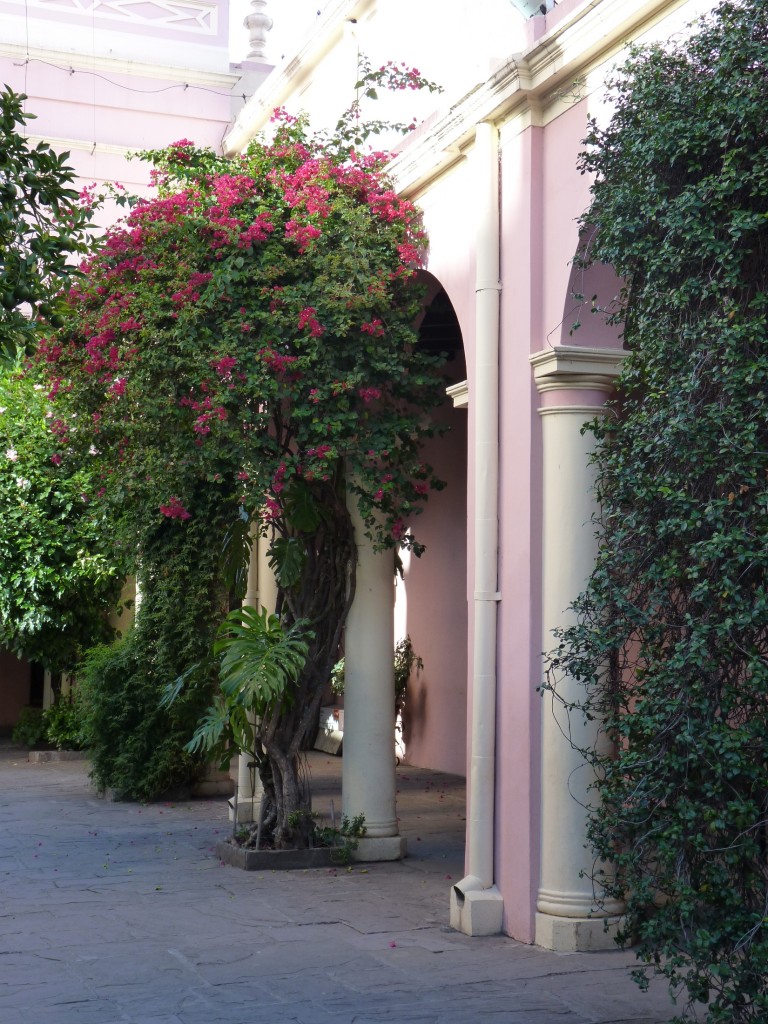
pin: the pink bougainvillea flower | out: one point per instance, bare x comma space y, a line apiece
175, 510
302, 234
224, 366
375, 328
369, 394
308, 319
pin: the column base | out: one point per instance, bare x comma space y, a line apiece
576, 934
477, 911
375, 848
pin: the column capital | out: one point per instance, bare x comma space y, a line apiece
576, 368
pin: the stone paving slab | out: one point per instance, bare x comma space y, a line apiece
118, 913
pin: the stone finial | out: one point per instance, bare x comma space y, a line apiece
258, 23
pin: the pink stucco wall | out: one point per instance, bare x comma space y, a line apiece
106, 81
436, 586
517, 816
434, 726
99, 121
542, 195
566, 193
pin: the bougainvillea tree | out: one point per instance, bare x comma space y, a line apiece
672, 643
248, 334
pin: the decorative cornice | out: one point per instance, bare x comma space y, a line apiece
523, 84
570, 367
590, 33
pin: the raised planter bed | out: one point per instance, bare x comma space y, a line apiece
43, 756
277, 860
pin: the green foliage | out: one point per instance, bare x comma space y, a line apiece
247, 335
257, 661
138, 744
672, 640
29, 730
344, 840
405, 661
338, 678
41, 226
65, 723
58, 579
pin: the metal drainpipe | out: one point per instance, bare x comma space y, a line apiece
485, 399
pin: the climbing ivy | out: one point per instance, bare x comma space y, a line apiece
671, 643
137, 744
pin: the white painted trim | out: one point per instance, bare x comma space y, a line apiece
85, 63
80, 145
527, 86
459, 394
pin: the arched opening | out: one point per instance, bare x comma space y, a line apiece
591, 295
431, 601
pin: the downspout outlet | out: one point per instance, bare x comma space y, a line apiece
476, 910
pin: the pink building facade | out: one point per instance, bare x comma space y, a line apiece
510, 543
106, 78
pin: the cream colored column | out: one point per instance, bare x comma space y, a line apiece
261, 592
368, 767
574, 383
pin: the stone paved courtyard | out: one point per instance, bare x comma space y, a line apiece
118, 913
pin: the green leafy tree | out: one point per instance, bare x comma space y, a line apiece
58, 580
42, 225
672, 642
247, 335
